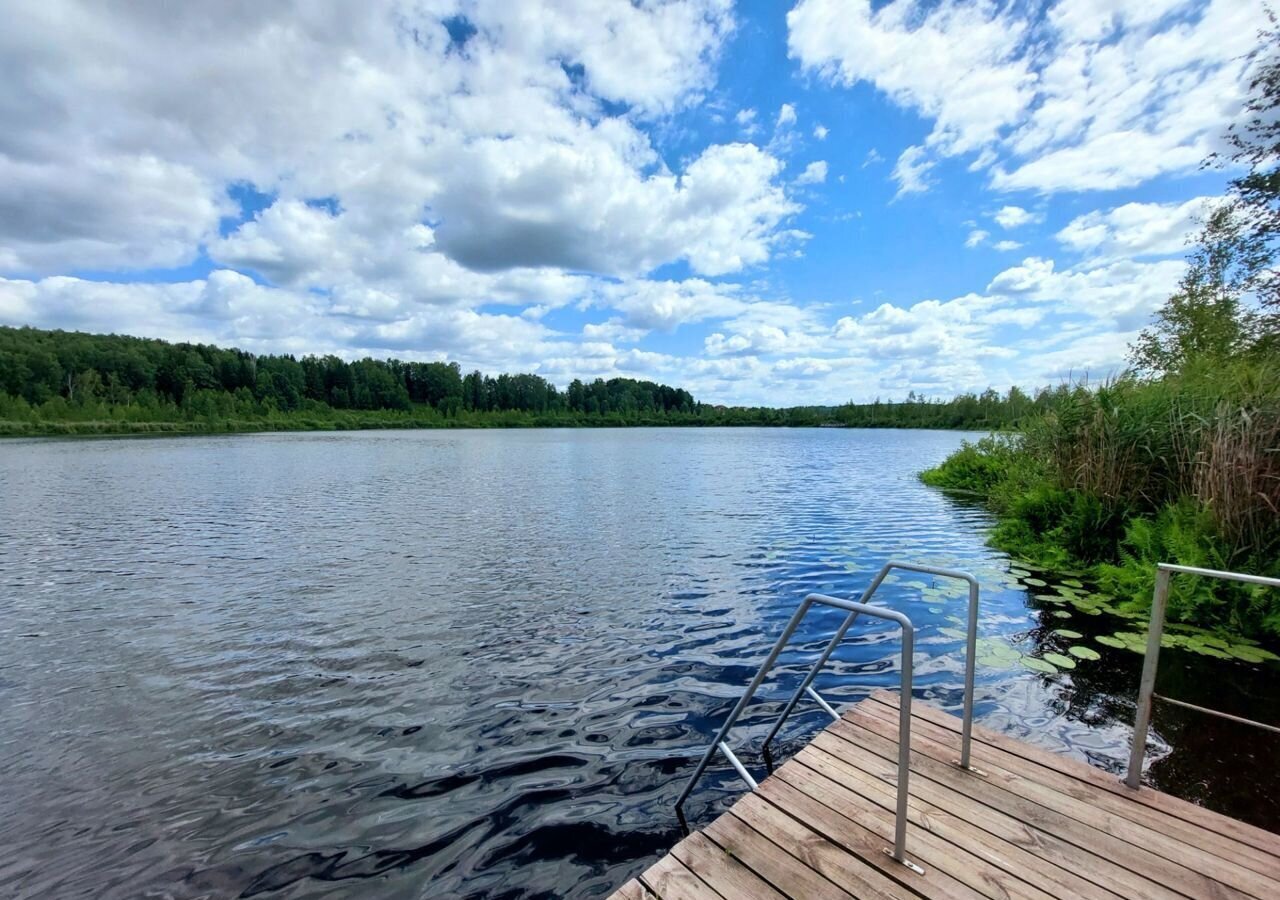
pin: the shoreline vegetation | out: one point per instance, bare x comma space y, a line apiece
1178, 459
71, 383
1115, 479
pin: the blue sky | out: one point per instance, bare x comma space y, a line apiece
763, 202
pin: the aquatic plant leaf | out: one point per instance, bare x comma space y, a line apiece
990, 661
953, 633
1072, 582
1035, 582
1062, 662
1039, 665
1068, 634
1250, 654
1061, 614
1108, 641
1081, 652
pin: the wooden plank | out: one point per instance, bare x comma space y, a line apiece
1036, 827
632, 890
931, 785
726, 875
868, 847
857, 775
1071, 777
816, 853
1070, 819
670, 879
735, 834
1103, 810
926, 849
1215, 823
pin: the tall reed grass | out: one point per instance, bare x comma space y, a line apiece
1123, 475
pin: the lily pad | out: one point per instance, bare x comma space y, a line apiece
953, 633
991, 661
1253, 652
1107, 640
1068, 634
1081, 652
1072, 582
1039, 665
997, 649
1061, 614
1021, 573
1250, 654
1062, 662
1035, 582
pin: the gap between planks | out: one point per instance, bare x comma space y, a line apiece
1037, 826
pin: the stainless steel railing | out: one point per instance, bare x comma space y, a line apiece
855, 609
1147, 686
970, 655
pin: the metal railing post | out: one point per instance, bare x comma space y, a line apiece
904, 742
970, 663
1142, 721
822, 659
899, 850
746, 698
1147, 686
970, 668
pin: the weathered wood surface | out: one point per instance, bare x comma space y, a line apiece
1033, 825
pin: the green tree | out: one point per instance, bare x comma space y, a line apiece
1204, 319
1255, 145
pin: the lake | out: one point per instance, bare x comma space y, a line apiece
484, 663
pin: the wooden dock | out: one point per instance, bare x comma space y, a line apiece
1029, 824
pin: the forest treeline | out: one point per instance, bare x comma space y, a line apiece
1178, 460
61, 382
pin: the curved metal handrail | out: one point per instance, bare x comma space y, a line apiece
969, 657
855, 609
904, 713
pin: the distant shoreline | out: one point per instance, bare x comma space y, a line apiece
12, 429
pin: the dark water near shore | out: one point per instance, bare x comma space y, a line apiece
430, 664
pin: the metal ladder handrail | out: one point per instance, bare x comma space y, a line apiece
854, 609
1147, 686
970, 655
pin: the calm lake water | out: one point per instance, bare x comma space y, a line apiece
483, 664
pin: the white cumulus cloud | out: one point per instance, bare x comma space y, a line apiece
1137, 229
1099, 95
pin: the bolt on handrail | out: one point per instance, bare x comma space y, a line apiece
854, 609
1147, 686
